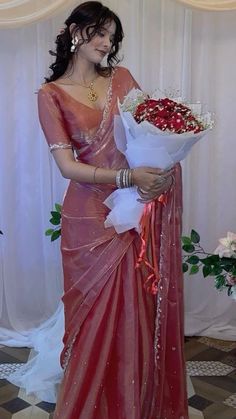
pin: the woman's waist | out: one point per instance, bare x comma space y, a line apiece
87, 199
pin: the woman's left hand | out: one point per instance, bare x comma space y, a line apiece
165, 184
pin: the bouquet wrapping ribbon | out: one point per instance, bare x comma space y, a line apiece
147, 235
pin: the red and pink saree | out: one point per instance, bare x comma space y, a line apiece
123, 347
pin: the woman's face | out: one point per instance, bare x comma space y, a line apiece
99, 46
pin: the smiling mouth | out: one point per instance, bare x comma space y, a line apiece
102, 52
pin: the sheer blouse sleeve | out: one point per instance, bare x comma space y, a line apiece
131, 82
52, 122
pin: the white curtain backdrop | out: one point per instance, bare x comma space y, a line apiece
168, 46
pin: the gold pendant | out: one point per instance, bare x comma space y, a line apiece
92, 95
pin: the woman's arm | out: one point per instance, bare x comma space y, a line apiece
152, 182
81, 172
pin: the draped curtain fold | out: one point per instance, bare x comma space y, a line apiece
217, 5
15, 13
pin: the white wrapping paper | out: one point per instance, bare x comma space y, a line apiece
143, 145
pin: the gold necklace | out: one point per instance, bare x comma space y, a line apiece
92, 94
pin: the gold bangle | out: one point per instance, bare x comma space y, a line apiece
94, 174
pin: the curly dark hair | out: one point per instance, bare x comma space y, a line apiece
91, 15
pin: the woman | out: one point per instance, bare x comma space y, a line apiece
123, 347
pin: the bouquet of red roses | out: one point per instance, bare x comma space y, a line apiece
168, 115
154, 132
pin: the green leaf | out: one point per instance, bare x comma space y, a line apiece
55, 235
227, 268
210, 260
219, 282
214, 259
216, 270
58, 208
233, 272
193, 260
185, 267
206, 270
49, 232
186, 240
194, 269
189, 248
206, 261
195, 237
56, 215
227, 262
54, 221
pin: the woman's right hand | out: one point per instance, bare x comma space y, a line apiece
152, 182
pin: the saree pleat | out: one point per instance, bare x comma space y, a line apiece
112, 359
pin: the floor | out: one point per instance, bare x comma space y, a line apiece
211, 366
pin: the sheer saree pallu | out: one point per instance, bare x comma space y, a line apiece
123, 346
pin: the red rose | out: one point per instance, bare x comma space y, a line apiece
177, 123
167, 103
159, 122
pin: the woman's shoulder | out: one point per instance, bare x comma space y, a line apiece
43, 88
126, 79
46, 87
47, 90
123, 71
124, 75
47, 93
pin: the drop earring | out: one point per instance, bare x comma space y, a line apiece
74, 42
